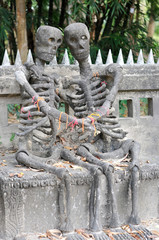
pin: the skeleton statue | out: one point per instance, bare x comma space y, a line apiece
37, 123
107, 144
91, 101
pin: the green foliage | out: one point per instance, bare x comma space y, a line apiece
12, 137
5, 24
61, 107
134, 38
143, 106
0, 142
14, 109
109, 22
123, 108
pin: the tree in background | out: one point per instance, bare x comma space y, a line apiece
153, 13
21, 29
113, 24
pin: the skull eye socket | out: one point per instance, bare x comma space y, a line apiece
73, 40
52, 40
84, 37
59, 41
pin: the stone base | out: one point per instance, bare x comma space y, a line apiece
29, 199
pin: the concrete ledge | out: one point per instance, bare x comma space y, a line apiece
30, 203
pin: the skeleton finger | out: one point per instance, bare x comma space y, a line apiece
99, 102
81, 114
79, 109
100, 89
27, 130
110, 126
108, 120
94, 84
40, 85
25, 115
79, 102
100, 95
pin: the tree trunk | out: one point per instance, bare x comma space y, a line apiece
137, 11
50, 15
63, 12
11, 34
151, 27
39, 2
99, 23
21, 29
30, 26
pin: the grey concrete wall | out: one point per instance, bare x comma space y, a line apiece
30, 203
139, 81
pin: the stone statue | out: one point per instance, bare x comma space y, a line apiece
108, 145
92, 103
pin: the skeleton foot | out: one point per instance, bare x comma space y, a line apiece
100, 236
134, 219
73, 236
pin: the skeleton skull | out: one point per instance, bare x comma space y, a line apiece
77, 38
48, 39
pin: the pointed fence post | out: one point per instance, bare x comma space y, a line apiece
109, 57
6, 61
99, 58
120, 59
30, 57
53, 62
65, 60
150, 59
130, 59
140, 59
18, 61
89, 60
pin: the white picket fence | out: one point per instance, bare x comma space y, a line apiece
99, 61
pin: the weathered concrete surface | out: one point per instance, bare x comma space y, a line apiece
30, 203
139, 81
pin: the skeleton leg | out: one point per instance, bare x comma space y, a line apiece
114, 218
95, 223
108, 171
65, 154
134, 150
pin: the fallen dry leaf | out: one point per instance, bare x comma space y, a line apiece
3, 164
110, 233
75, 167
36, 170
54, 234
42, 236
62, 140
19, 175
155, 234
18, 165
68, 148
84, 234
133, 233
11, 174
83, 159
127, 228
59, 165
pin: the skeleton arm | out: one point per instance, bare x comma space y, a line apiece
43, 106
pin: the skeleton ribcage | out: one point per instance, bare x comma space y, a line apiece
98, 93
39, 131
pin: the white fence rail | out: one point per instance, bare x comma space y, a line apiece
99, 61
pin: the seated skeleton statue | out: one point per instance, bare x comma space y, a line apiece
91, 101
